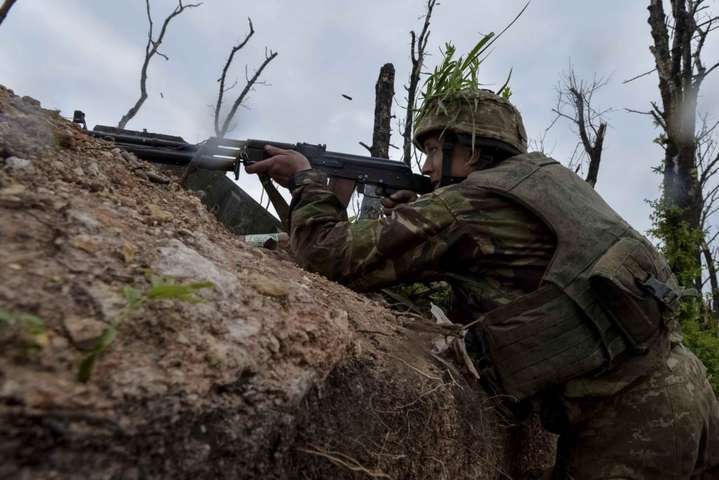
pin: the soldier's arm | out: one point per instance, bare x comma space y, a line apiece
366, 254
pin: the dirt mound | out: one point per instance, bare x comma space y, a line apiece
140, 339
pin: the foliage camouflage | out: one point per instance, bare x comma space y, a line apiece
476, 112
454, 84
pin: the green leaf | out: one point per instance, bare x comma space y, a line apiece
170, 291
132, 295
162, 288
87, 365
31, 327
478, 49
505, 91
6, 318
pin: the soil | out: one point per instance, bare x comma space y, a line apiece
270, 372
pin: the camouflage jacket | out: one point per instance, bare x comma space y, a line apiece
488, 248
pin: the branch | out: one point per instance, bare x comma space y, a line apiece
243, 94
580, 120
595, 156
369, 149
711, 69
712, 276
223, 77
418, 46
709, 171
629, 80
150, 50
5, 9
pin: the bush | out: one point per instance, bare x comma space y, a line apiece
705, 345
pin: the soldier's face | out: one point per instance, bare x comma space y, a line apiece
463, 160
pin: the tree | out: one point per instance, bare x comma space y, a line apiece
384, 94
221, 127
151, 49
677, 50
574, 103
5, 9
681, 215
417, 52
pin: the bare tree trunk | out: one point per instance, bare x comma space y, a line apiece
222, 126
5, 8
152, 49
223, 77
417, 55
713, 280
595, 156
384, 93
576, 96
269, 56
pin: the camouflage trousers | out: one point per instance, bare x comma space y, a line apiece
665, 426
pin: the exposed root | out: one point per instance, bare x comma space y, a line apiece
342, 460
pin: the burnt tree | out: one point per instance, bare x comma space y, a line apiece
151, 49
574, 103
384, 94
222, 126
417, 49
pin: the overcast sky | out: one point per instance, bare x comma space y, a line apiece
86, 54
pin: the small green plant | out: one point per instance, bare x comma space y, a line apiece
161, 288
28, 329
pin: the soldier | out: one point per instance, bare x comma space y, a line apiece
568, 306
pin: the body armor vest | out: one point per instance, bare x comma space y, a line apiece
605, 293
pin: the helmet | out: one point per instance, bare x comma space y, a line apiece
488, 118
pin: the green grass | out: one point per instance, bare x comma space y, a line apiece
457, 74
161, 288
30, 328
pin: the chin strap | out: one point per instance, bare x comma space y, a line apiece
447, 149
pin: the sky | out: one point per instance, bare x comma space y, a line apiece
86, 54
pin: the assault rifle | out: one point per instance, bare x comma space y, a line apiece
374, 176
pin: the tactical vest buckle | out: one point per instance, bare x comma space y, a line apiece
661, 291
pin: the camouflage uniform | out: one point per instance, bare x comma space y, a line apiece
626, 424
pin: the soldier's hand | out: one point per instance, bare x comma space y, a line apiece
397, 198
281, 165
